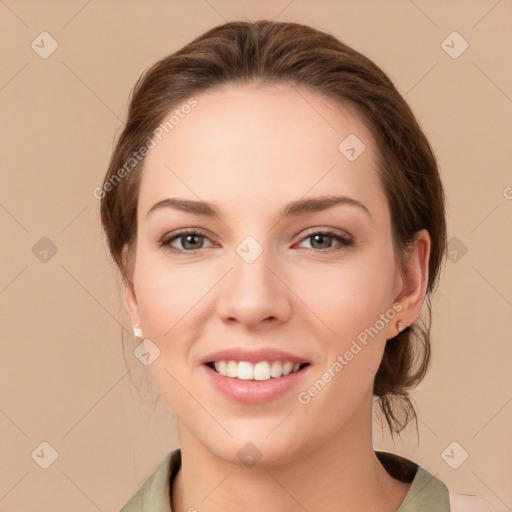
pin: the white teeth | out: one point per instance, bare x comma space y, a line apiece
245, 371
287, 368
232, 369
276, 369
220, 366
262, 370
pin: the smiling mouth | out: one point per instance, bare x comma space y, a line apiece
261, 371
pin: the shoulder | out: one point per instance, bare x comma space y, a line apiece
468, 503
154, 494
428, 492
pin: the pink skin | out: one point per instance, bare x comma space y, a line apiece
250, 151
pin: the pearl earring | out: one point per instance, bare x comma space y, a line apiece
400, 326
137, 332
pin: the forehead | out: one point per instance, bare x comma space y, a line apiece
279, 142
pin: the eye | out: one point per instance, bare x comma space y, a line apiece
325, 239
190, 240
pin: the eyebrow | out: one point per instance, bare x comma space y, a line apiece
293, 209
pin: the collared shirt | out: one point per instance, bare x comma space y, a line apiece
426, 494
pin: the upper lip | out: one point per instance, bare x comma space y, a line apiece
252, 356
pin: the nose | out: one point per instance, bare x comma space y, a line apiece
254, 294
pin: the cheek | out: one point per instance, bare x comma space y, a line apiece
173, 307
351, 304
348, 297
350, 300
166, 295
166, 302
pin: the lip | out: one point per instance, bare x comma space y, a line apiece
254, 392
253, 356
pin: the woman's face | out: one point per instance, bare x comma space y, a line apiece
254, 280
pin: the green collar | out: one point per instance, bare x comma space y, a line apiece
426, 491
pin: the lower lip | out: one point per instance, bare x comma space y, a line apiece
255, 391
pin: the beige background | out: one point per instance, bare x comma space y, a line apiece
63, 376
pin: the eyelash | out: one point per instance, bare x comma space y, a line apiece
344, 241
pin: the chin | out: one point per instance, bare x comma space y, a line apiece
256, 450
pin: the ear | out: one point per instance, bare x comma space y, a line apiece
130, 302
412, 281
130, 298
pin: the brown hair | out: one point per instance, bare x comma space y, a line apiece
272, 52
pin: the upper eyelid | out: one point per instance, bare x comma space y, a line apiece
185, 231
335, 231
307, 231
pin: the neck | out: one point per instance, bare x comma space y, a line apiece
342, 474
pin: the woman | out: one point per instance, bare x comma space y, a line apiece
278, 219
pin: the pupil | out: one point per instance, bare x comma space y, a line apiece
322, 237
187, 237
